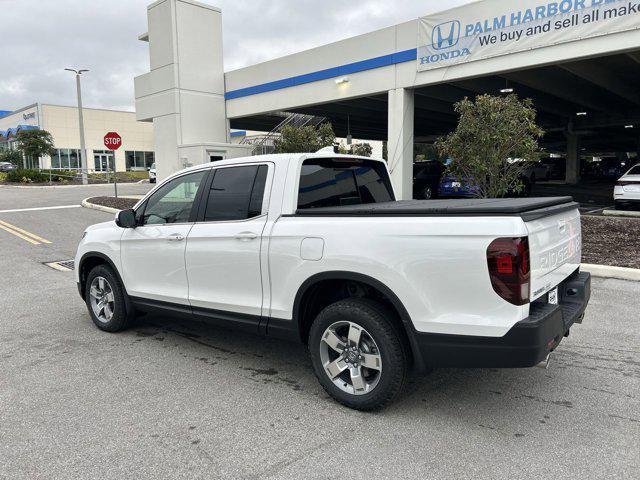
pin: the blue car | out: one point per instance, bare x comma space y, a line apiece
453, 187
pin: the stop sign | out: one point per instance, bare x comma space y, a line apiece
112, 141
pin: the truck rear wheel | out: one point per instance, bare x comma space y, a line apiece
358, 353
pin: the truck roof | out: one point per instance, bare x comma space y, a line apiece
278, 158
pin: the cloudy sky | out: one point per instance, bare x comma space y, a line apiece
40, 38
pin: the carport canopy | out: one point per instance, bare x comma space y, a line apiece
586, 107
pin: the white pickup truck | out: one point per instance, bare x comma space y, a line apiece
314, 248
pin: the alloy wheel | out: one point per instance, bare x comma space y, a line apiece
351, 358
102, 299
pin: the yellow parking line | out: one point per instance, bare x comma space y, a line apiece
19, 232
19, 235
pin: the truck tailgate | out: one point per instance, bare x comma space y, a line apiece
555, 244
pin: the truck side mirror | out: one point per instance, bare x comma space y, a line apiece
126, 218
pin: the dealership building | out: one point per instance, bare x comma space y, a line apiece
578, 60
62, 122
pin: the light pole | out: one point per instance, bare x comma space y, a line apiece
83, 148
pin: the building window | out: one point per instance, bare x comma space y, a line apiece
139, 160
66, 159
103, 160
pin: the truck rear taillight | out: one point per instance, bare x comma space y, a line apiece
508, 260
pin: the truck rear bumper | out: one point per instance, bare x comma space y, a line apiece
525, 345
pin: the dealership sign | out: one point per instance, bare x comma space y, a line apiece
492, 28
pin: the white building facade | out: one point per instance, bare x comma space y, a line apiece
136, 152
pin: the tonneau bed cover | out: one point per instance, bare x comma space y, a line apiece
527, 208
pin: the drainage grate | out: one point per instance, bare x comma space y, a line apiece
62, 265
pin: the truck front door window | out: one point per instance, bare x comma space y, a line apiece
172, 203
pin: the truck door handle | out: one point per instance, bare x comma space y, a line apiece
175, 237
246, 236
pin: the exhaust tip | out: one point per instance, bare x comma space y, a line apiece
545, 363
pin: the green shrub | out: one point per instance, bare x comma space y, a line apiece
136, 174
3, 177
26, 176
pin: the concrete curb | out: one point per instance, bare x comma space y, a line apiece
94, 206
621, 213
606, 271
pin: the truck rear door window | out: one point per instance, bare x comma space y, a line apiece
331, 183
236, 193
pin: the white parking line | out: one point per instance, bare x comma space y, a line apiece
596, 210
39, 208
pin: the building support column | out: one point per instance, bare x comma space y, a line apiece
573, 158
400, 141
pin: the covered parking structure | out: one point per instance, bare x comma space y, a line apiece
579, 60
591, 104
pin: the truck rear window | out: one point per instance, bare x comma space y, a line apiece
332, 182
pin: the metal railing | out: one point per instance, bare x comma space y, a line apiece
264, 144
110, 174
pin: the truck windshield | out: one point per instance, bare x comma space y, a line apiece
335, 182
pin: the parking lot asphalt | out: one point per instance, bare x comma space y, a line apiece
18, 197
593, 195
170, 399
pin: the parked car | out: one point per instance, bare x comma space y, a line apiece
452, 187
7, 166
627, 189
557, 167
612, 167
426, 179
535, 171
314, 248
152, 173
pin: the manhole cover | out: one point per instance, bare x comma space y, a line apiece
62, 265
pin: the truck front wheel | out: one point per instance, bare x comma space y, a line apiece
358, 353
105, 299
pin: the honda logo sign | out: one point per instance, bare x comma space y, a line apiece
446, 35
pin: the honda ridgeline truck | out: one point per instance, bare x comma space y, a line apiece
315, 248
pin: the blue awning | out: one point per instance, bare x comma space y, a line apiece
4, 134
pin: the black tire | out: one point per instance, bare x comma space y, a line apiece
621, 206
121, 318
153, 180
382, 325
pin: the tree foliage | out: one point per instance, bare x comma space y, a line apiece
493, 132
35, 143
304, 139
11, 156
426, 151
361, 149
